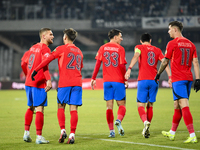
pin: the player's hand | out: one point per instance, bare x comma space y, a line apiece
197, 85
127, 74
170, 83
126, 84
33, 75
93, 83
49, 86
157, 78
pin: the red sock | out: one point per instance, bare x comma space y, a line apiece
121, 112
187, 116
149, 113
39, 121
28, 119
142, 113
74, 120
61, 118
110, 118
176, 119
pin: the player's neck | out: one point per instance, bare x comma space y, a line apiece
146, 43
68, 42
178, 35
45, 42
113, 41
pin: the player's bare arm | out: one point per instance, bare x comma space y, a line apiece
49, 86
133, 62
197, 72
196, 67
163, 65
167, 69
93, 83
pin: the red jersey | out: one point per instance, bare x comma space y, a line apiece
149, 56
113, 56
31, 60
181, 52
70, 63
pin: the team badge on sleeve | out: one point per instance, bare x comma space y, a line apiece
46, 55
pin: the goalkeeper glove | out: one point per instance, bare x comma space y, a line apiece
157, 78
197, 85
33, 75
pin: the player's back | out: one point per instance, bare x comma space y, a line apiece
148, 61
182, 55
34, 57
70, 62
112, 55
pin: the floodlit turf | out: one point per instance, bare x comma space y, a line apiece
92, 130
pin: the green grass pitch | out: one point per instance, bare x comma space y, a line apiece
92, 130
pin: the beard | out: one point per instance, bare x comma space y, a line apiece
50, 41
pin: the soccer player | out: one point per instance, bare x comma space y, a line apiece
36, 91
70, 62
112, 54
148, 56
182, 53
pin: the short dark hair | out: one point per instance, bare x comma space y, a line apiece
43, 30
113, 32
177, 24
71, 33
146, 37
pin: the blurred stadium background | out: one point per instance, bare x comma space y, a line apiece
20, 21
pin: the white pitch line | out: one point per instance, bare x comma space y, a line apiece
144, 144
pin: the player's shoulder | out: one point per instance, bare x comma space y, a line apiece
172, 42
139, 46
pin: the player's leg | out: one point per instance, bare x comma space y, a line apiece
175, 122
75, 100
108, 97
187, 116
39, 101
153, 90
61, 121
28, 115
142, 99
110, 117
188, 119
73, 122
120, 97
120, 116
149, 111
62, 98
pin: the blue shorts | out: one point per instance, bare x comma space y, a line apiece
147, 91
71, 95
36, 96
114, 90
181, 89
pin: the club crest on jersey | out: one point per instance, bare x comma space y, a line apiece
46, 55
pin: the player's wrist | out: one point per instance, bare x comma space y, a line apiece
170, 77
129, 67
